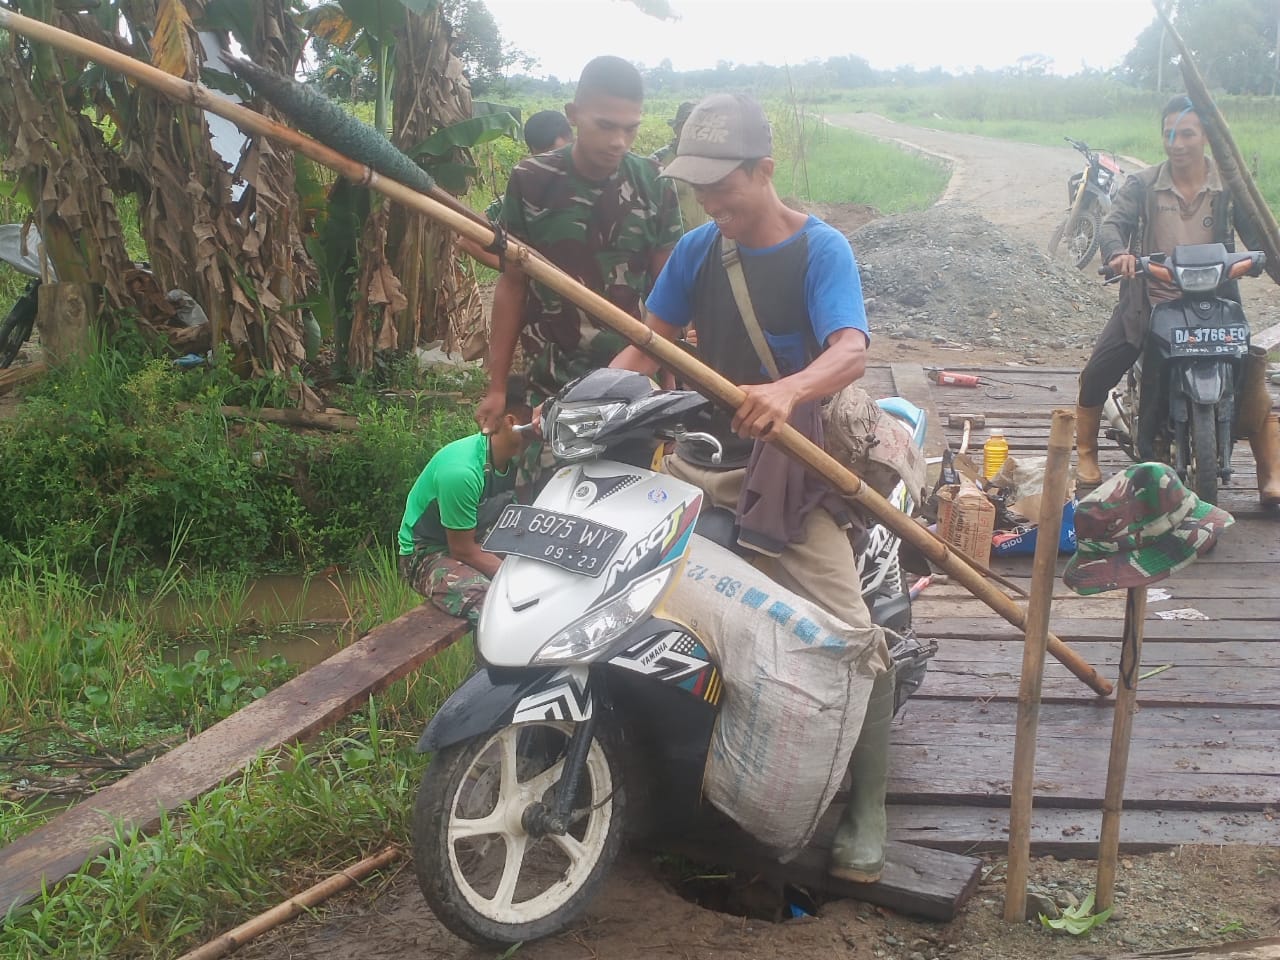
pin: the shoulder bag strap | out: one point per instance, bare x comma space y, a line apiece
742, 297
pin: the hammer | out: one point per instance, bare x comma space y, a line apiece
969, 421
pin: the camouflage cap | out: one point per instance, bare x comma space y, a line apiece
1139, 527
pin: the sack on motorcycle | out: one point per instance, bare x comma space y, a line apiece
796, 684
872, 443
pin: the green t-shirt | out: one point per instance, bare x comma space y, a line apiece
448, 493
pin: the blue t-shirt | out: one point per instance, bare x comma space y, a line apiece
802, 290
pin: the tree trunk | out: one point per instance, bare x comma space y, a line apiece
67, 317
56, 159
409, 283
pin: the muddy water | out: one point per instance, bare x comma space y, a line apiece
303, 619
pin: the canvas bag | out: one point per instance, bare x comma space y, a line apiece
857, 432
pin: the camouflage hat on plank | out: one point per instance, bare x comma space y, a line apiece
1139, 527
723, 132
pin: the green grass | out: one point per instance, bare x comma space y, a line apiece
1104, 114
295, 816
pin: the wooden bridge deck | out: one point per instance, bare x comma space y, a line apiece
1204, 765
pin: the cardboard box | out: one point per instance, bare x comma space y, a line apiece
966, 520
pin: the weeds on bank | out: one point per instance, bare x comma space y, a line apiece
295, 816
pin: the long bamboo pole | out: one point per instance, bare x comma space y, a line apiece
1135, 612
1043, 577
1230, 161
710, 383
234, 939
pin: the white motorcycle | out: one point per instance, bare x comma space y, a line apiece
589, 715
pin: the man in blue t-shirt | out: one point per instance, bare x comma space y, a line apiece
803, 285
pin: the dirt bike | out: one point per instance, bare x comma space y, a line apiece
1178, 402
589, 714
1089, 196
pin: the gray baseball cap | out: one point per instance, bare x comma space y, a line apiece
723, 130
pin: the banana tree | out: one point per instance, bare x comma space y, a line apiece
225, 230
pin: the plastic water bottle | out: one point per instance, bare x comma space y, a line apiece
994, 453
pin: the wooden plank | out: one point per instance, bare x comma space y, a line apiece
17, 376
1266, 949
1073, 833
1070, 773
1106, 607
308, 703
919, 881
910, 382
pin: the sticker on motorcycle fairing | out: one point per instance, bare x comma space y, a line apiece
564, 699
657, 495
676, 658
665, 542
608, 486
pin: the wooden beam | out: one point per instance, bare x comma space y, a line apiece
310, 702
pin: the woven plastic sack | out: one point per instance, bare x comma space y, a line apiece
796, 686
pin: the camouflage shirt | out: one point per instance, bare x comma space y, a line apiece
602, 234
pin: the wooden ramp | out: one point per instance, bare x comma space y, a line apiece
308, 703
1204, 766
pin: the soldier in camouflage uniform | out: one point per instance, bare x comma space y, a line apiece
1138, 528
691, 212
598, 212
545, 131
457, 497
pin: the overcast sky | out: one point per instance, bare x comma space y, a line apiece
954, 34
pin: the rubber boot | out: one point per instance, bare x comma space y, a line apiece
1256, 423
1088, 473
857, 851
1266, 454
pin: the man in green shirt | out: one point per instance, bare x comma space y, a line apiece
691, 212
456, 498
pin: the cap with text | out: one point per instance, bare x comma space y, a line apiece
722, 132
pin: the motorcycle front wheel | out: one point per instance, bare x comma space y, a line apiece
484, 875
1202, 465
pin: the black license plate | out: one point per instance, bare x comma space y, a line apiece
571, 543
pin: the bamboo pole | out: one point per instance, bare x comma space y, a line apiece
708, 382
1230, 161
233, 940
1135, 612
1044, 570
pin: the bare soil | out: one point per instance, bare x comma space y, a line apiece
964, 283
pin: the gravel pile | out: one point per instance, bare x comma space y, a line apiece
950, 276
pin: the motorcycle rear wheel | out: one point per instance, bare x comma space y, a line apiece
1202, 465
472, 854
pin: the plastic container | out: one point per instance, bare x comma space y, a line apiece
994, 452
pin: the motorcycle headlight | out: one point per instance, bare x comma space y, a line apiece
1199, 279
573, 429
592, 634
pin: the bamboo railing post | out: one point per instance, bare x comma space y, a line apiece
1135, 612
233, 940
1044, 575
708, 382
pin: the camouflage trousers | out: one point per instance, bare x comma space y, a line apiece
452, 586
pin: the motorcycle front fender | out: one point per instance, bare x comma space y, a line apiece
1204, 381
492, 699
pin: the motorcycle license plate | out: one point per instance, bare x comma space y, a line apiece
571, 543
1209, 341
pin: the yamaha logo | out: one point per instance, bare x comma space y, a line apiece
584, 491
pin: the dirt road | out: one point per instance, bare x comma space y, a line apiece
1187, 895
